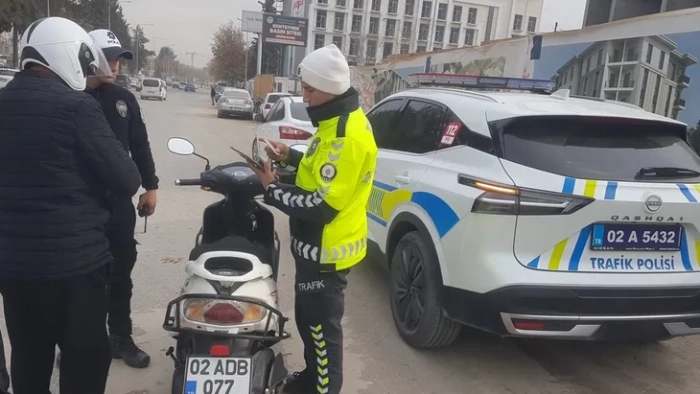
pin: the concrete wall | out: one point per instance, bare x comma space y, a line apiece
625, 9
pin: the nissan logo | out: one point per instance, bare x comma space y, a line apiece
653, 203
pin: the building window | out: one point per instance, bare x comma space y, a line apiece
531, 24
371, 49
668, 101
423, 32
410, 7
518, 23
471, 16
319, 41
588, 65
596, 83
354, 46
585, 86
405, 48
674, 71
323, 2
420, 49
457, 13
650, 53
338, 41
426, 11
356, 24
321, 19
339, 21
341, 3
643, 92
358, 4
442, 11
454, 35
388, 49
390, 29
439, 33
407, 30
470, 37
393, 6
376, 5
374, 25
662, 60
656, 93
600, 57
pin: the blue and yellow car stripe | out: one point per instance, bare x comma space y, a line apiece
590, 188
385, 198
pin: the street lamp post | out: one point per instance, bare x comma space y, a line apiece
137, 32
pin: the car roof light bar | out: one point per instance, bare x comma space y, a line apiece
479, 82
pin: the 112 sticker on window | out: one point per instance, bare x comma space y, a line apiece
450, 133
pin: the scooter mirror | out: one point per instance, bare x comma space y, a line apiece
180, 146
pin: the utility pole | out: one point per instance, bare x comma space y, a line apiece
191, 55
48, 8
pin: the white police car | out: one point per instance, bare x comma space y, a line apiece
534, 214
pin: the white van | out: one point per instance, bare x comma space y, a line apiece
152, 88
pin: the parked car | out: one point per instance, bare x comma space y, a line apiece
6, 75
235, 102
534, 215
190, 88
288, 122
270, 100
176, 84
219, 90
153, 88
182, 85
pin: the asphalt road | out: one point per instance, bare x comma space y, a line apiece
376, 360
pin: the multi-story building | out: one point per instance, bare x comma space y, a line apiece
604, 11
368, 31
6, 49
645, 71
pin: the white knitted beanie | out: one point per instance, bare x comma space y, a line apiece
327, 70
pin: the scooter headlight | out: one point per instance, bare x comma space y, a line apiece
223, 312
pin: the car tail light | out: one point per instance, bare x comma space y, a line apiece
223, 312
292, 133
500, 199
249, 103
268, 106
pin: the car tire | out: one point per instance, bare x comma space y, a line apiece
218, 115
416, 305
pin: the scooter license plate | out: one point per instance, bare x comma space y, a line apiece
218, 375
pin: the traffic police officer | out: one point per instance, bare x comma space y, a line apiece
326, 209
128, 123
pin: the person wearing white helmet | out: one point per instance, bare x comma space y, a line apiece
326, 208
128, 123
61, 165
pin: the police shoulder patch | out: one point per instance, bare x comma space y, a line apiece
328, 172
122, 109
143, 117
312, 148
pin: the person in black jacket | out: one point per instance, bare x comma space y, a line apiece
61, 166
128, 123
212, 93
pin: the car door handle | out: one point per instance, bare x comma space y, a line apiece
403, 179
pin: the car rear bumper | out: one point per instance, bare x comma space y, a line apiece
579, 313
236, 112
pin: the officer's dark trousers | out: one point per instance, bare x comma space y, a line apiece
69, 313
122, 245
318, 308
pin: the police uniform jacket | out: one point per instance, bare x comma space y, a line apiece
327, 204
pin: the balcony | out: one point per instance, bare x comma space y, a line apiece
629, 58
623, 85
685, 81
679, 104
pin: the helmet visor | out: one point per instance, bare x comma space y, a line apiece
95, 61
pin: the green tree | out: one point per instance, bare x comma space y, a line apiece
228, 48
166, 64
141, 53
16, 16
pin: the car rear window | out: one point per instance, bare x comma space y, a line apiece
273, 98
151, 83
236, 95
597, 148
298, 111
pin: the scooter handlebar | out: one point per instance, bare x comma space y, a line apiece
188, 182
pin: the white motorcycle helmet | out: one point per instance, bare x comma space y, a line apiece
65, 48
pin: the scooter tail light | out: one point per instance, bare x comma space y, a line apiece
219, 351
293, 133
223, 312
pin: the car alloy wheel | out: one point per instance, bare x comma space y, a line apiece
408, 288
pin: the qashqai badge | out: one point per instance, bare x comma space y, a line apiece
653, 203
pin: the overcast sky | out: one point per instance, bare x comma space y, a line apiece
188, 26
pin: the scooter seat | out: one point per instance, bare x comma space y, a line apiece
235, 244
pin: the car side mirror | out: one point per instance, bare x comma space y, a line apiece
260, 118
